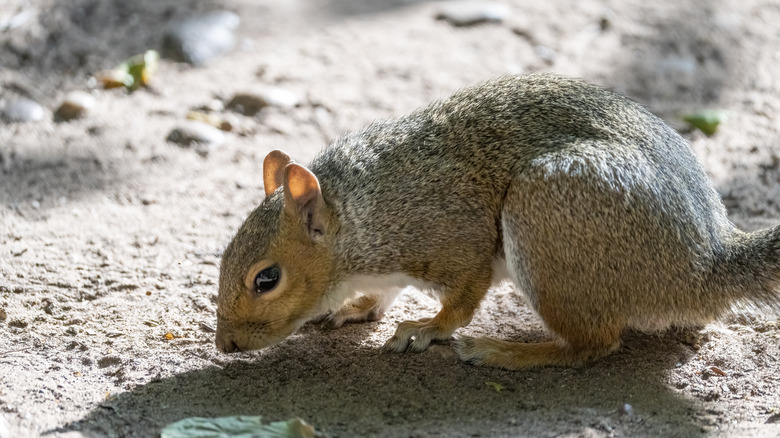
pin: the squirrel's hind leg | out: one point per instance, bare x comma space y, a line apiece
517, 355
562, 221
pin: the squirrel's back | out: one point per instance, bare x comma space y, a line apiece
447, 167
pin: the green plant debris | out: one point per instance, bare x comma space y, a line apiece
495, 385
707, 120
237, 427
135, 72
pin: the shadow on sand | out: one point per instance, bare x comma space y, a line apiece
353, 390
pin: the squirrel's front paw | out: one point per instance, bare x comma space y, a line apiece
415, 336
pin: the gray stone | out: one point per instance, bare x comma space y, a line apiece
467, 13
626, 409
200, 136
198, 39
22, 110
249, 104
76, 105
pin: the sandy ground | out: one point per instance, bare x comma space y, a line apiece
110, 237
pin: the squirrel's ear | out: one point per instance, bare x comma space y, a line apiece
302, 193
273, 170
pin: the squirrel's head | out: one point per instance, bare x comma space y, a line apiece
275, 272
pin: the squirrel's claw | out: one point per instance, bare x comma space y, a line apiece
416, 336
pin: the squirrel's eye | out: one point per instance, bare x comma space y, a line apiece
267, 279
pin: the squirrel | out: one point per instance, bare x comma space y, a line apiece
597, 211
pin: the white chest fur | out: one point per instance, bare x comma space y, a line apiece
386, 287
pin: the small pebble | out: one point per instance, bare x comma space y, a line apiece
76, 105
22, 110
49, 306
626, 409
281, 98
608, 17
3, 315
250, 104
200, 38
199, 135
467, 13
247, 104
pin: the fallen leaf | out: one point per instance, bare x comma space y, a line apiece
135, 72
718, 371
495, 385
707, 120
239, 427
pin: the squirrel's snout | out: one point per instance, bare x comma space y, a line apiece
225, 344
230, 347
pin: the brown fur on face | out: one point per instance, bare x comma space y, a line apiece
279, 233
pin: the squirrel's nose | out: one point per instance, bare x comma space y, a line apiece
226, 345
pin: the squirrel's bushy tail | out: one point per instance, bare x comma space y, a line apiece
750, 269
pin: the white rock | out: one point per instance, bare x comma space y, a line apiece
280, 97
22, 110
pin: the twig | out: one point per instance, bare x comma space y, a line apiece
3, 353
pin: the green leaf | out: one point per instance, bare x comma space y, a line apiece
495, 385
707, 120
236, 427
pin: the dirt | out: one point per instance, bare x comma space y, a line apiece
110, 236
